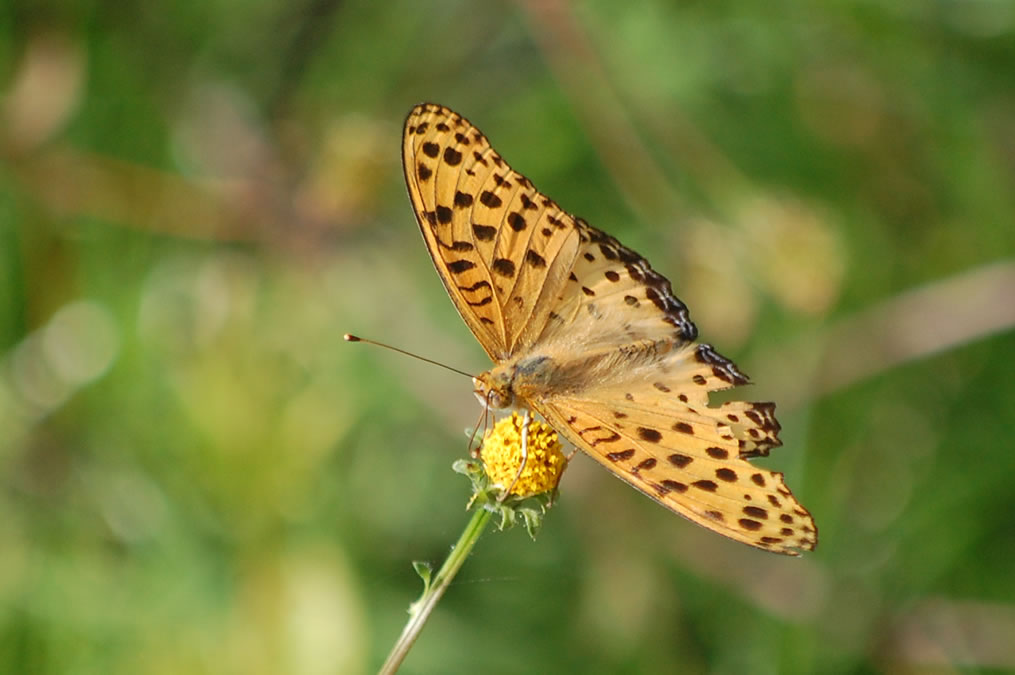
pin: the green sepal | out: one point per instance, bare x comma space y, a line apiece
529, 510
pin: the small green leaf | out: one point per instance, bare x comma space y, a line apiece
425, 571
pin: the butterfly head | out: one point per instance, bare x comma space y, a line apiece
493, 389
517, 381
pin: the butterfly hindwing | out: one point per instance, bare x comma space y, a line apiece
614, 295
687, 455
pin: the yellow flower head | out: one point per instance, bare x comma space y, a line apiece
502, 456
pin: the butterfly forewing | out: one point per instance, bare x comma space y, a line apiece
592, 338
502, 249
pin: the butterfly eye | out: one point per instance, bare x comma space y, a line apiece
493, 393
499, 400
488, 397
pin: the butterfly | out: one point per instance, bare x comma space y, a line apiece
584, 332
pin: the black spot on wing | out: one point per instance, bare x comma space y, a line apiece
489, 199
726, 474
484, 232
504, 267
679, 460
650, 435
620, 454
534, 259
459, 266
475, 287
452, 157
671, 486
646, 464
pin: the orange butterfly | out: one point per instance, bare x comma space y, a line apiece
583, 331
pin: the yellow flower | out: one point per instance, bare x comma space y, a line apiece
502, 456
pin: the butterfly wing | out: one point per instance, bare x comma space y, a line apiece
614, 297
511, 258
657, 431
635, 396
502, 249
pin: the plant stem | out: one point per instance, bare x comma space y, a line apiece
421, 609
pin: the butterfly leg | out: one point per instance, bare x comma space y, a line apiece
474, 448
525, 456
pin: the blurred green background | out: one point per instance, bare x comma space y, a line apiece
197, 199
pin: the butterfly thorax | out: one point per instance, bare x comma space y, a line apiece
536, 377
509, 384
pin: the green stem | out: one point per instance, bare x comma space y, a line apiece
422, 608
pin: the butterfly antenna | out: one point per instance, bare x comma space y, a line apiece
353, 338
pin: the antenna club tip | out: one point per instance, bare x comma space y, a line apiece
349, 337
